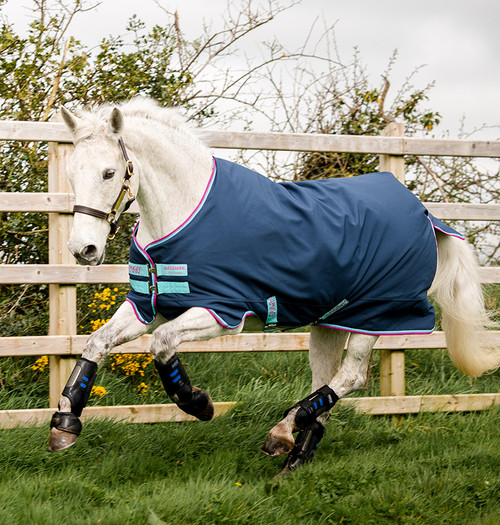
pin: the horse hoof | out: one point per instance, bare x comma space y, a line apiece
60, 440
208, 413
200, 406
278, 446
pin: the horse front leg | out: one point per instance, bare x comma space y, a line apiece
309, 415
196, 324
65, 426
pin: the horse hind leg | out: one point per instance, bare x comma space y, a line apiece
325, 354
65, 425
315, 409
325, 357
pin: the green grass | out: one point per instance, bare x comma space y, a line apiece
232, 377
430, 468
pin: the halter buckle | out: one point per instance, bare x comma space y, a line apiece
130, 169
115, 228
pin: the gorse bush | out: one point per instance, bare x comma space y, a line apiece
100, 310
134, 367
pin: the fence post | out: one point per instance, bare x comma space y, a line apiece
62, 298
392, 362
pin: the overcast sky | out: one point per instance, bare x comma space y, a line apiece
457, 42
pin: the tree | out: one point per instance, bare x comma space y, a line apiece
308, 89
327, 94
49, 67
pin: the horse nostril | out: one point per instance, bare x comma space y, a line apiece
89, 252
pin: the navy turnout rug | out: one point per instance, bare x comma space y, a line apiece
356, 254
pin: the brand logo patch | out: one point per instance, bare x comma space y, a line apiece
138, 269
179, 270
272, 311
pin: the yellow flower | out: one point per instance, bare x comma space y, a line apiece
98, 391
131, 364
142, 389
98, 323
40, 363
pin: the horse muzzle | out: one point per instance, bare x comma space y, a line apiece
88, 255
87, 240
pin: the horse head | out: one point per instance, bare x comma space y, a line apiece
95, 171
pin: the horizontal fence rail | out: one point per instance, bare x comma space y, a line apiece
112, 273
64, 202
163, 413
73, 345
56, 132
62, 275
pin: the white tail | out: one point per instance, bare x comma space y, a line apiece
457, 290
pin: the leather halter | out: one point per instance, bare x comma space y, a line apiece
110, 217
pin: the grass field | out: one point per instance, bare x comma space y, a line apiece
429, 468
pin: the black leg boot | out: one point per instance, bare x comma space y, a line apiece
305, 446
65, 427
188, 398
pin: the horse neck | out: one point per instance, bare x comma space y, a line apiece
174, 174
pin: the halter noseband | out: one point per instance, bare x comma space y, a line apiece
111, 216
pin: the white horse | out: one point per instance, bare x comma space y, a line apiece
170, 172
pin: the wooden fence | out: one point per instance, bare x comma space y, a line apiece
62, 344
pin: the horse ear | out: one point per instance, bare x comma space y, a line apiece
115, 122
69, 119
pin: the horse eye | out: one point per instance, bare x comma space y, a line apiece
108, 174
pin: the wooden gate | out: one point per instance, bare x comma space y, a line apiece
63, 345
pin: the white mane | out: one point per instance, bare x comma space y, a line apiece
142, 108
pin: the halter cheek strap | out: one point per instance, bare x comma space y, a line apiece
110, 217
